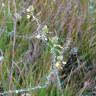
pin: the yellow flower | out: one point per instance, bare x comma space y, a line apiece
58, 65
64, 62
28, 16
28, 10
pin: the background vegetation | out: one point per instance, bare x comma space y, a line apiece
30, 30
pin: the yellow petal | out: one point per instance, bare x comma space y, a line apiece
64, 62
28, 16
58, 65
28, 10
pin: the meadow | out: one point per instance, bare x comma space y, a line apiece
47, 47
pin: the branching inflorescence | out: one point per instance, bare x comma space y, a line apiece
55, 59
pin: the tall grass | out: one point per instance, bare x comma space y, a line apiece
27, 60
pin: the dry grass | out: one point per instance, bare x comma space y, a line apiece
27, 60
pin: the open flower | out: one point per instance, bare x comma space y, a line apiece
28, 16
58, 65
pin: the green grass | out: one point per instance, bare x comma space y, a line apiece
59, 18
